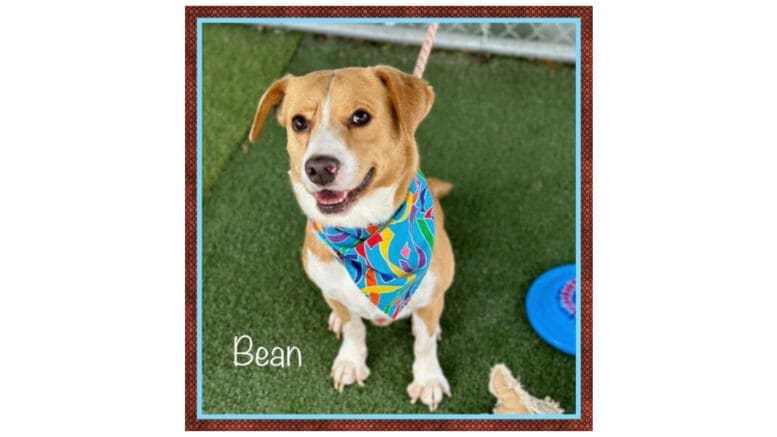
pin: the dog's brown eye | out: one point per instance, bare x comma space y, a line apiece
299, 123
360, 118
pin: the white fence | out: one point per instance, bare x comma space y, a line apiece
551, 41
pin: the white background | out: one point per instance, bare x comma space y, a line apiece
92, 218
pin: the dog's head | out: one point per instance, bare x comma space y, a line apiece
350, 138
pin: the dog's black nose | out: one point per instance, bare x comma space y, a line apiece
322, 170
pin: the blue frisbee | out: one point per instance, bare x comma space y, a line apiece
551, 307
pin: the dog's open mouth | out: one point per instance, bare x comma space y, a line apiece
333, 202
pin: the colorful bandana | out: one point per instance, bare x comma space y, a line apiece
388, 261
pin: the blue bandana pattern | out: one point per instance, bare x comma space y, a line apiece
388, 261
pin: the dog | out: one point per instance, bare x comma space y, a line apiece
354, 169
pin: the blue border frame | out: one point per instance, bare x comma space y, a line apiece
578, 211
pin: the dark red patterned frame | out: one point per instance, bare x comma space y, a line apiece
585, 423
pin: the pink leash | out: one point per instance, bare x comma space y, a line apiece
423, 56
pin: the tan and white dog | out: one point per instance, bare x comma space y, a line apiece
353, 155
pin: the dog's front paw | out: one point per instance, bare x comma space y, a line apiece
335, 324
429, 389
346, 371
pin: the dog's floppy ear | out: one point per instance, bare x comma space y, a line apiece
271, 98
411, 97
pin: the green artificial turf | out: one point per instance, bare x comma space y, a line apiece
235, 73
501, 130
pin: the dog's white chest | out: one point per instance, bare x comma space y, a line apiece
335, 283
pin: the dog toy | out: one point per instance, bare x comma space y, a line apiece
551, 306
511, 398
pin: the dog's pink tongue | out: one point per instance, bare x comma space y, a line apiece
328, 197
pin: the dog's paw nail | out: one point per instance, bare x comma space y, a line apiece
347, 371
429, 390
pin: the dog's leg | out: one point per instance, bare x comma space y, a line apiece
429, 383
350, 365
412, 329
335, 324
338, 317
351, 362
